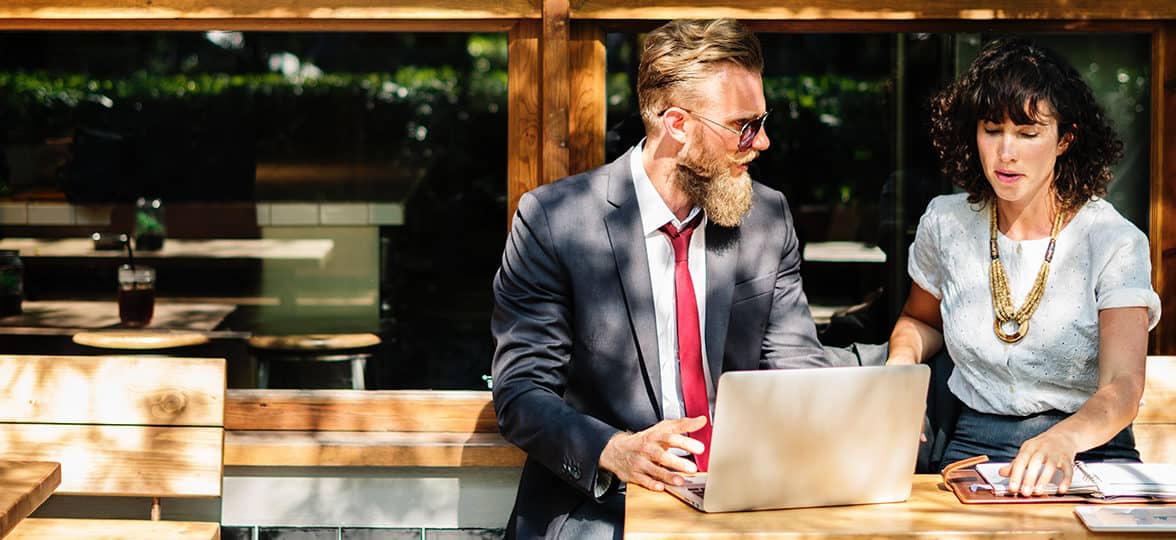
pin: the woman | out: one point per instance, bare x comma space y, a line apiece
1037, 287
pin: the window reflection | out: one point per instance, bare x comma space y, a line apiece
850, 148
392, 145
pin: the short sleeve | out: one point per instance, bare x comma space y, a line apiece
925, 263
1125, 278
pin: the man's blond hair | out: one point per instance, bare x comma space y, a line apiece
677, 56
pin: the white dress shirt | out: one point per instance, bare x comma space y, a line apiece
660, 254
1101, 261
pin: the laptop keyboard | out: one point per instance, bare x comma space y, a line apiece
697, 489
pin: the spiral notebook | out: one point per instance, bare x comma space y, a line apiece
1092, 482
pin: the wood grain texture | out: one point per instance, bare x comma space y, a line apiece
524, 147
461, 411
557, 84
877, 9
112, 389
1162, 234
113, 529
1156, 442
1159, 393
262, 24
268, 9
24, 485
588, 95
929, 513
123, 460
341, 448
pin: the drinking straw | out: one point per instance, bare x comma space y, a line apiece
130, 253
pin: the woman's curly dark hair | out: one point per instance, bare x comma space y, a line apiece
1007, 76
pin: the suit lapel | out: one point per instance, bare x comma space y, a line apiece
628, 247
722, 249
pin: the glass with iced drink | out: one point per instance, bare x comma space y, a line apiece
136, 295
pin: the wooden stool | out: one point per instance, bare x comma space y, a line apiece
353, 348
139, 340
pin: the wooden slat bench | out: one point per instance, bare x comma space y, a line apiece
395, 428
457, 428
128, 426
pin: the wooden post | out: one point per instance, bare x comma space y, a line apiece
1162, 235
557, 83
524, 152
588, 95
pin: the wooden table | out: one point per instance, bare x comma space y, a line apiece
95, 314
929, 513
24, 485
308, 249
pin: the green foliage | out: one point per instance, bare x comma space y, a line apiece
39, 104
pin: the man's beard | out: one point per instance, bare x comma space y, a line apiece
707, 181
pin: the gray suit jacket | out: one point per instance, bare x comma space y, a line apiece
576, 356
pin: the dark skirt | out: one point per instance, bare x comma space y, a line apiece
999, 437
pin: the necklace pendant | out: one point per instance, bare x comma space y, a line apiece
1022, 329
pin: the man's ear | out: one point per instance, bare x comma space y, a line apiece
1065, 140
674, 124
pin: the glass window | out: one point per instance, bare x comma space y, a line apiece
849, 148
390, 145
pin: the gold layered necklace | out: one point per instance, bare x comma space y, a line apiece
1002, 302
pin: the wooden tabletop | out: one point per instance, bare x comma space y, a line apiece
94, 314
24, 485
929, 513
310, 249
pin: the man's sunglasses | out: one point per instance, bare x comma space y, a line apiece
746, 133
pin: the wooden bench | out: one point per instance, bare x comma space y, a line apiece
1155, 426
128, 426
457, 428
394, 428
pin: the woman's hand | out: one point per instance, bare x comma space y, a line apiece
1039, 458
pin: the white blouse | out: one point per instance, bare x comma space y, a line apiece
1101, 261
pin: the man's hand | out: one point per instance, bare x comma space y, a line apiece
645, 458
1037, 461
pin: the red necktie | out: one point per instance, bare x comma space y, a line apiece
689, 340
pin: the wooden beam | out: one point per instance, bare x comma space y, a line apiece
877, 10
267, 9
1162, 234
42, 528
112, 390
259, 24
128, 461
557, 84
464, 411
349, 448
523, 111
588, 95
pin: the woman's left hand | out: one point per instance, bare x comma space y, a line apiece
1032, 471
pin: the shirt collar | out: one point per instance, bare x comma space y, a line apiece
654, 211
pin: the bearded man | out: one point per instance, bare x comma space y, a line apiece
625, 291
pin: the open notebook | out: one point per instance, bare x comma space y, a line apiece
1102, 480
1092, 483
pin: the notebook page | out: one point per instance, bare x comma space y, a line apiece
1117, 479
990, 471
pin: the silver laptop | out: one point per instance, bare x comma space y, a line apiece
812, 437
